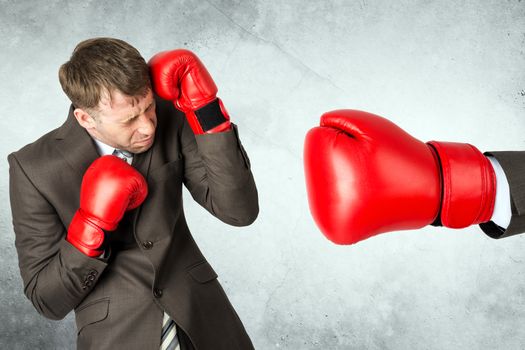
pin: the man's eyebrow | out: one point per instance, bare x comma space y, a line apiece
136, 115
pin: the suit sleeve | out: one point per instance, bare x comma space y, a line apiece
56, 275
217, 174
513, 164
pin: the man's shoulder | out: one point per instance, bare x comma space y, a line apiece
42, 148
37, 148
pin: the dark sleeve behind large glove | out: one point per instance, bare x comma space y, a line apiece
513, 164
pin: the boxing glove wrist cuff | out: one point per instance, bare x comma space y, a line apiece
210, 118
468, 184
85, 235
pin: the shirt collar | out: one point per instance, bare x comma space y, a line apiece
102, 148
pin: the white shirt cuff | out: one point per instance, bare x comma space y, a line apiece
502, 212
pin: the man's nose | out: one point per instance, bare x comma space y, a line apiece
147, 125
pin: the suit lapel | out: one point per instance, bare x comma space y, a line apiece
141, 161
75, 144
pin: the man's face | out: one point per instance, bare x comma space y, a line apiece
125, 122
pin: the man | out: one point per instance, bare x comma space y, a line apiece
109, 239
366, 176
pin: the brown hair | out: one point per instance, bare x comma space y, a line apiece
103, 65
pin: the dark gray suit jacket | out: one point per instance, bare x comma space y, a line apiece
513, 164
154, 263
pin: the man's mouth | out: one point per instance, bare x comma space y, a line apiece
146, 140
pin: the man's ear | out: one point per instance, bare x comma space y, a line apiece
84, 119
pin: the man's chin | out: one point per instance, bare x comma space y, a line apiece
141, 147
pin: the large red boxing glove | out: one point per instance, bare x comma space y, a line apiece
180, 76
109, 188
365, 175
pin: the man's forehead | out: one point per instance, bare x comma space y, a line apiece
118, 100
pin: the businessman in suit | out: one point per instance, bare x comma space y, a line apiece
107, 237
366, 176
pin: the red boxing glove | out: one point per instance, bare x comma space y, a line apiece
109, 188
180, 76
365, 176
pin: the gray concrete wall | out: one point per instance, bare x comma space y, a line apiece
441, 70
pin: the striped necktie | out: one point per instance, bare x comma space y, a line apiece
169, 339
124, 155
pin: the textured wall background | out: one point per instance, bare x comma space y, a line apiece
441, 70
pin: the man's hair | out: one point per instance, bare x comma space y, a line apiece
102, 65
